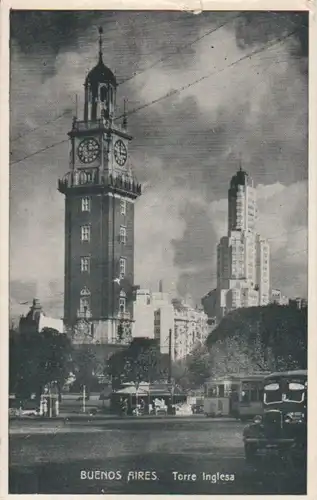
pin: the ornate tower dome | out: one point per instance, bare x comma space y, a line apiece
100, 89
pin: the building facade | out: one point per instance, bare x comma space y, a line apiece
155, 315
190, 329
278, 298
243, 256
36, 320
298, 303
100, 190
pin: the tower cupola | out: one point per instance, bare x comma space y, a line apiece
100, 90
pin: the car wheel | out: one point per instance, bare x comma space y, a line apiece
250, 453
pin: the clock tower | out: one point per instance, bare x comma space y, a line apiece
100, 191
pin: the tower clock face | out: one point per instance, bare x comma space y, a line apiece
88, 150
120, 152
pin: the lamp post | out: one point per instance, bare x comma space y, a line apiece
169, 356
84, 399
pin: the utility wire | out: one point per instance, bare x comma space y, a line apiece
39, 151
134, 75
176, 91
208, 75
178, 50
19, 136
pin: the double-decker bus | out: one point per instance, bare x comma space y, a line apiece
238, 396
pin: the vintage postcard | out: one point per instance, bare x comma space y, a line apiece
158, 278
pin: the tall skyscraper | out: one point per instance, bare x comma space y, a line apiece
100, 190
243, 256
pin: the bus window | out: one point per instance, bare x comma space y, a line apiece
212, 392
295, 392
273, 393
245, 396
235, 396
254, 395
227, 392
221, 391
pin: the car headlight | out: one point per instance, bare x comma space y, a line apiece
294, 417
257, 419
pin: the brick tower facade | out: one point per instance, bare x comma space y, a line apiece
100, 190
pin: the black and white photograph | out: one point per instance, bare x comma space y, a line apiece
158, 251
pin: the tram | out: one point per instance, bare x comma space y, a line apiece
238, 396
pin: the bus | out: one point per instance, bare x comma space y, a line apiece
281, 428
238, 396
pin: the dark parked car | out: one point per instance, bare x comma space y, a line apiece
282, 427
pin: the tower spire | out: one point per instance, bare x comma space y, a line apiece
240, 162
125, 119
100, 30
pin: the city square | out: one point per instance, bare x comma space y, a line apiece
75, 457
158, 270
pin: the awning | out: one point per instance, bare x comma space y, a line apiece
132, 390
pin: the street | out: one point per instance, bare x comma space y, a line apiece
184, 455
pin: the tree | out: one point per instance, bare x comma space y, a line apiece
84, 367
13, 360
259, 339
37, 360
141, 361
198, 363
53, 358
192, 372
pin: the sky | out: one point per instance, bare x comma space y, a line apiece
226, 86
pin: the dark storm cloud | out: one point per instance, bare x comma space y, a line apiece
254, 28
37, 31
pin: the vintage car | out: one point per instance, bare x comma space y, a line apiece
282, 427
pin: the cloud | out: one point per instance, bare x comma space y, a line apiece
185, 148
282, 223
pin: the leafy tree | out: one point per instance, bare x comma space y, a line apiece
85, 368
13, 360
38, 359
259, 339
198, 363
141, 361
53, 358
192, 372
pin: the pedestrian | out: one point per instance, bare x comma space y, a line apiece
142, 405
125, 407
45, 407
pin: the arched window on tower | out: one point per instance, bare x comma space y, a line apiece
84, 302
122, 302
103, 93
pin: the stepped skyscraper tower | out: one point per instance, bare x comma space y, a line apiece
243, 256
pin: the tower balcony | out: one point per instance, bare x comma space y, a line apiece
81, 127
83, 314
98, 181
124, 316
